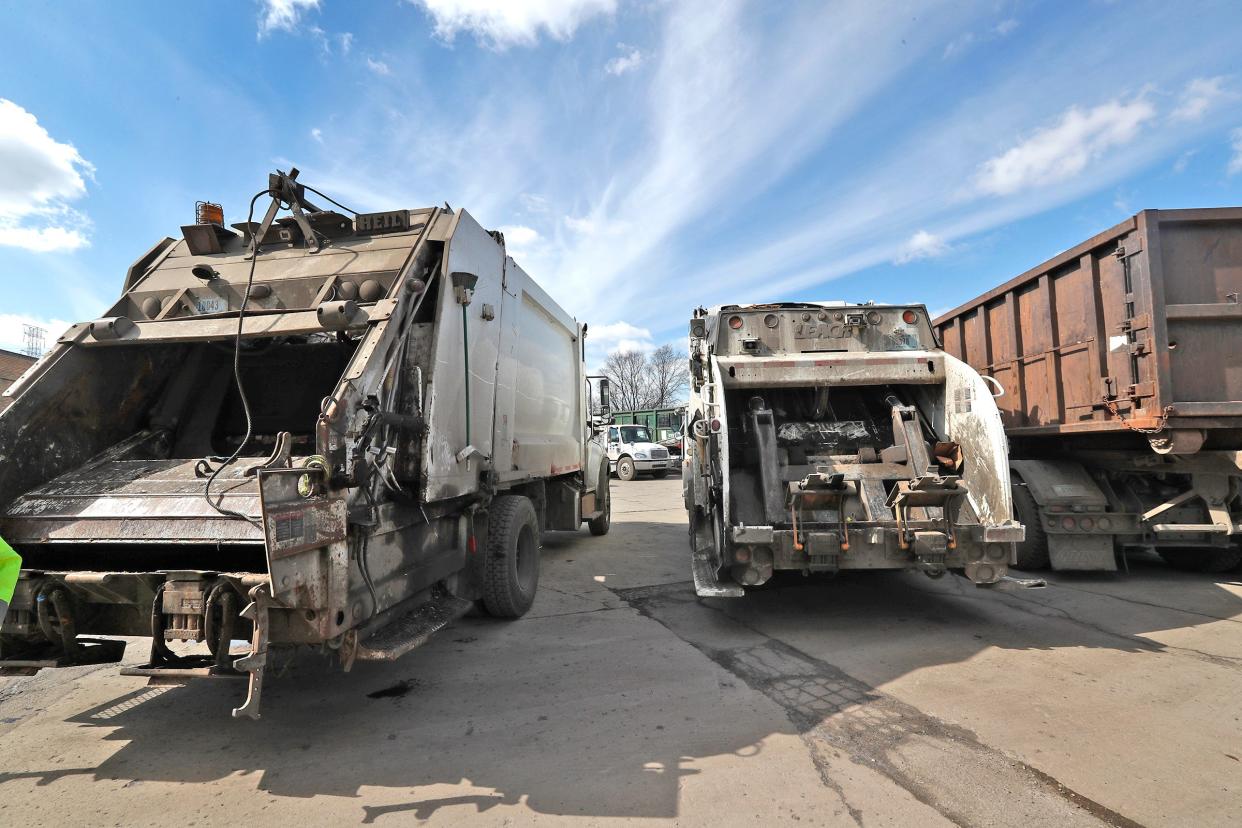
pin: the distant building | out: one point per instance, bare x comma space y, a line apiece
12, 366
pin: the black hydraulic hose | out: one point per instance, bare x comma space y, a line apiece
241, 389
330, 199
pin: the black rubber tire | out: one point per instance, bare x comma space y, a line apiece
600, 525
1032, 552
626, 469
660, 475
511, 562
1202, 560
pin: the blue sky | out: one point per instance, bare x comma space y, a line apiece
643, 157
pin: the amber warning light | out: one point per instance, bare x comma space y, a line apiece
205, 212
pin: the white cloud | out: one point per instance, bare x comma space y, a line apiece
1064, 149
42, 239
618, 336
521, 240
922, 245
1183, 161
505, 23
964, 41
346, 40
317, 134
378, 67
283, 15
13, 334
39, 177
628, 61
1200, 95
1235, 163
958, 45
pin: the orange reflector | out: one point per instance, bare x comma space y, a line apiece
910, 317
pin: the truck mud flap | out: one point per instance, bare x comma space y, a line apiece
1067, 553
707, 585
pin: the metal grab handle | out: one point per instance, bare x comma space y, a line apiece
1000, 389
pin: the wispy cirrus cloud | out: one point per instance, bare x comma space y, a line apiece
629, 60
1199, 96
283, 15
505, 23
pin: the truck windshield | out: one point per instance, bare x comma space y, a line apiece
635, 434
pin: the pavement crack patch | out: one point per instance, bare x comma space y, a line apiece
1138, 603
941, 765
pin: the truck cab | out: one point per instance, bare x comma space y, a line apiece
632, 451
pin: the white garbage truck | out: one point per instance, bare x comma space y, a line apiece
825, 436
326, 429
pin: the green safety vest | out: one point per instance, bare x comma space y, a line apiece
10, 565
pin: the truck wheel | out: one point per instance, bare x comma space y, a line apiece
626, 470
660, 475
600, 525
1202, 560
1032, 552
511, 565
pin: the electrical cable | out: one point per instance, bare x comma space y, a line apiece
241, 389
330, 199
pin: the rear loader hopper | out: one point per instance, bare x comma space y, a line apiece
825, 437
328, 429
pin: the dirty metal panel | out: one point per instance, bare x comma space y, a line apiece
255, 325
305, 542
792, 370
1139, 316
137, 501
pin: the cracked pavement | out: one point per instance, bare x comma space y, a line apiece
869, 699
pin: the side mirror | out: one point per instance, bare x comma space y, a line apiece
604, 405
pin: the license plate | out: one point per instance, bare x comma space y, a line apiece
213, 304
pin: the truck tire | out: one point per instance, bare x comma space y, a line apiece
1032, 552
1202, 560
511, 563
600, 525
626, 470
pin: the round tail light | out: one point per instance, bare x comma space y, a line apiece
1068, 522
715, 424
910, 317
735, 322
1087, 523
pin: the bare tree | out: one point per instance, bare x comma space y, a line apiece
669, 373
639, 380
627, 378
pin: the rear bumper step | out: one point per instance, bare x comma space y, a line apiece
412, 630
